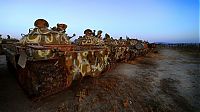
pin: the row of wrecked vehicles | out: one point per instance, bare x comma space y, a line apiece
46, 61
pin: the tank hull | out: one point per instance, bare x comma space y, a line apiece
45, 70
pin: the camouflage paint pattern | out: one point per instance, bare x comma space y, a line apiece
36, 36
90, 62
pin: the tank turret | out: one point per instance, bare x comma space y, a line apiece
89, 39
99, 34
42, 35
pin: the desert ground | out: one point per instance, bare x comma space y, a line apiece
163, 81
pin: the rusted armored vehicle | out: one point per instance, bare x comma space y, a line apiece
137, 47
4, 42
118, 49
123, 50
46, 62
95, 52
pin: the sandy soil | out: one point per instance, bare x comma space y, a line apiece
167, 81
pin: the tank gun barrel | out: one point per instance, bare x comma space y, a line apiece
72, 36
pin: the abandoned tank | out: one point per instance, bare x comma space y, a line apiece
138, 47
124, 50
6, 41
46, 62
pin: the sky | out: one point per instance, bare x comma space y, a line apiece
151, 20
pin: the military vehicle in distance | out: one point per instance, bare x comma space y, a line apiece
6, 41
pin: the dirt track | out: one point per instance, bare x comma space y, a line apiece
167, 81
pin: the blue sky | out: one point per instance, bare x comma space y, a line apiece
152, 20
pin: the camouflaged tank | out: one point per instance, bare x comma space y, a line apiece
6, 42
124, 50
137, 47
93, 55
120, 49
46, 62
